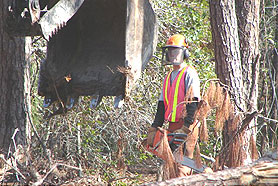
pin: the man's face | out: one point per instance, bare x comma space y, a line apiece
175, 55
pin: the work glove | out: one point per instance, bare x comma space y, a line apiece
151, 135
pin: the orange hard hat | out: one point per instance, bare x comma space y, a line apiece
175, 50
177, 40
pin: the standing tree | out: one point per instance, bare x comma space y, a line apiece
235, 28
14, 87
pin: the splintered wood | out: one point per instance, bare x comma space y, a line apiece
262, 172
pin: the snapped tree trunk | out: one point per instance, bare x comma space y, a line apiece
235, 36
261, 172
14, 87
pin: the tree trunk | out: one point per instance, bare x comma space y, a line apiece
261, 172
248, 32
235, 35
14, 87
226, 46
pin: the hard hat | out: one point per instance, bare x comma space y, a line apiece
176, 40
175, 50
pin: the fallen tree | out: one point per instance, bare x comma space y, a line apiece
261, 172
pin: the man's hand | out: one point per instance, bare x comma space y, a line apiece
151, 135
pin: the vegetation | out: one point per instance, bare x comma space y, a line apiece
110, 138
267, 128
106, 142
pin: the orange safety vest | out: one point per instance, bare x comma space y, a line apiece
173, 94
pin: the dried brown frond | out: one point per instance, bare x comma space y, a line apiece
235, 152
198, 156
205, 97
204, 130
214, 95
202, 111
178, 154
219, 120
218, 97
164, 152
187, 99
182, 170
231, 109
171, 168
210, 93
226, 106
163, 148
253, 147
223, 112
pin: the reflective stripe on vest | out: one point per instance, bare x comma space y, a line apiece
166, 88
173, 94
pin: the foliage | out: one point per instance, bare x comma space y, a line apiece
268, 98
106, 142
110, 138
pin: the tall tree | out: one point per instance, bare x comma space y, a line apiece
235, 28
249, 49
14, 87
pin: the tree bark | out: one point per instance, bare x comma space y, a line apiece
14, 87
248, 31
261, 172
226, 46
235, 28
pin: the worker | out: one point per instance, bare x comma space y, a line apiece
177, 83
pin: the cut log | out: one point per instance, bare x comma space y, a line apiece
261, 172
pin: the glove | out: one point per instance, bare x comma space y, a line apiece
151, 135
183, 130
